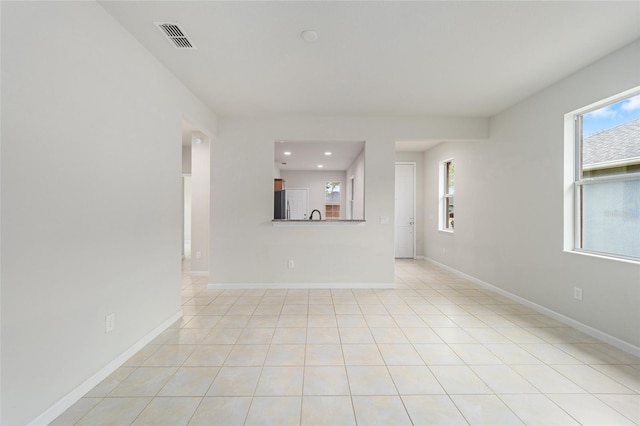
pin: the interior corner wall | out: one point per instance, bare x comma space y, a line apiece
509, 208
200, 204
418, 158
247, 249
356, 171
91, 198
186, 160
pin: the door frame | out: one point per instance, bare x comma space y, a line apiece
414, 166
351, 186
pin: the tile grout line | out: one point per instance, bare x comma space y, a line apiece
406, 291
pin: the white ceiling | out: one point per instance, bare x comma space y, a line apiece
450, 58
307, 155
415, 145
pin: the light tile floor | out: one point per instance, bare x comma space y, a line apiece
436, 350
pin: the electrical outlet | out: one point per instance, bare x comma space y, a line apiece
291, 264
198, 255
109, 323
444, 250
384, 220
577, 293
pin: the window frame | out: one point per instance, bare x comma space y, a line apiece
331, 205
578, 181
444, 197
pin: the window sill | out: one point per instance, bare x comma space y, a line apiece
445, 231
604, 256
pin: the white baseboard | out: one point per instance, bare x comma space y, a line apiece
420, 258
74, 396
290, 286
593, 332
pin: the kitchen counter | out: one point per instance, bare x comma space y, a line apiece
307, 222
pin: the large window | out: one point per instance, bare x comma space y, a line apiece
332, 200
447, 181
607, 178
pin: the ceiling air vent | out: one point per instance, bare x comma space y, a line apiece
176, 35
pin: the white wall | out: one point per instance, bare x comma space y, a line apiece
510, 195
246, 248
186, 193
200, 200
356, 171
186, 159
187, 208
91, 197
418, 158
315, 181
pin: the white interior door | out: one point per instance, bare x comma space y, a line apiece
405, 210
297, 203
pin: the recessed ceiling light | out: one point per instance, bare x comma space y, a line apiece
309, 36
287, 153
320, 166
327, 153
198, 141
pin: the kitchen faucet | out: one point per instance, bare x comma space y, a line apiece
319, 214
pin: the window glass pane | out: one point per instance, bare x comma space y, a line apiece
450, 191
611, 139
332, 200
611, 217
447, 189
449, 210
332, 192
450, 178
